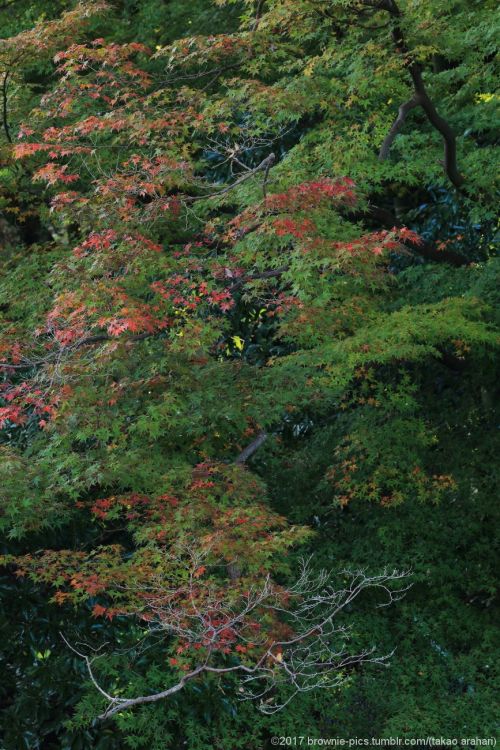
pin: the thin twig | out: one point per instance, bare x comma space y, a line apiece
265, 164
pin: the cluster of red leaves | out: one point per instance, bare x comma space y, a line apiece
22, 400
305, 196
298, 229
24, 150
183, 292
133, 505
10, 350
52, 173
150, 180
83, 57
376, 243
134, 317
76, 314
75, 575
308, 195
96, 241
228, 515
99, 611
163, 513
67, 321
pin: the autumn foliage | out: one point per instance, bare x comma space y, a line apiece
233, 326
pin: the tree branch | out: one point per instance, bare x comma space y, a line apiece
8, 4
121, 704
265, 165
450, 146
258, 13
4, 107
310, 656
87, 341
421, 99
426, 249
396, 127
269, 274
254, 446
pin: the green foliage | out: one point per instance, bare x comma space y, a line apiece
203, 240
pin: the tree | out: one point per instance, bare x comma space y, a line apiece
234, 273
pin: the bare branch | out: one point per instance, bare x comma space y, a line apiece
254, 446
421, 98
265, 165
450, 146
396, 127
4, 107
258, 12
314, 656
86, 341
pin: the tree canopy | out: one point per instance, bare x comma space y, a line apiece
249, 335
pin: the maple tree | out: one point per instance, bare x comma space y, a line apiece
226, 283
